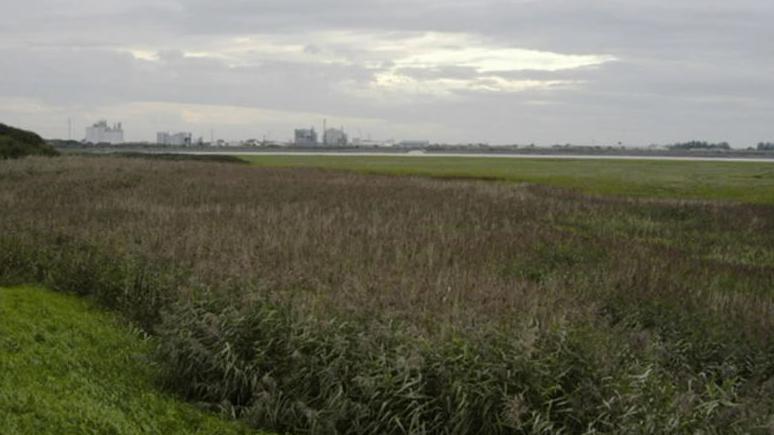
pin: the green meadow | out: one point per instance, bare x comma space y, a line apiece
750, 182
67, 367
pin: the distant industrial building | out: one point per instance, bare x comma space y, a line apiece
102, 133
360, 142
179, 139
335, 137
306, 137
330, 137
413, 144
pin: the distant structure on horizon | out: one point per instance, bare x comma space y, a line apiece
305, 137
100, 132
410, 144
358, 142
335, 137
180, 139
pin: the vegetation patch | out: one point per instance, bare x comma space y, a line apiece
318, 301
745, 181
16, 143
67, 368
182, 157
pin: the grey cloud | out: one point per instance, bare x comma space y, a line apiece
452, 72
312, 49
694, 68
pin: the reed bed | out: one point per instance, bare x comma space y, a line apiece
316, 301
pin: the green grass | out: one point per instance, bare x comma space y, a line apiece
65, 367
749, 182
16, 143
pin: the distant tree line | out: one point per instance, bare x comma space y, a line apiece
700, 145
766, 146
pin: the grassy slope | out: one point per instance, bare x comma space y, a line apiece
15, 143
747, 182
67, 368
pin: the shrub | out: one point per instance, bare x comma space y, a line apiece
15, 143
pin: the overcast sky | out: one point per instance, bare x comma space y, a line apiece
497, 71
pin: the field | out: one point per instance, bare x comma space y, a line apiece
614, 297
743, 181
67, 368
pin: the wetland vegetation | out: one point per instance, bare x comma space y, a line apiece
311, 300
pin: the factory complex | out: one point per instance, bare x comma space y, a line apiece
101, 133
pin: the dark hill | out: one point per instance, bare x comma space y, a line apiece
15, 143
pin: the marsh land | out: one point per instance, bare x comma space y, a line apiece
394, 295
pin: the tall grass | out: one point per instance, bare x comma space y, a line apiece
323, 302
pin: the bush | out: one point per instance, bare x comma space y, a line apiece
16, 143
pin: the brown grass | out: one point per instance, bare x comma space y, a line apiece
436, 256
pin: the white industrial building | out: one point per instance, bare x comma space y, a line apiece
179, 139
335, 137
305, 137
102, 133
358, 142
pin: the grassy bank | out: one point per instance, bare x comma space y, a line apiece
67, 368
747, 182
16, 143
315, 301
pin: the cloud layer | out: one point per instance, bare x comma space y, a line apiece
529, 71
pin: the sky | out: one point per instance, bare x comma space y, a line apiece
591, 72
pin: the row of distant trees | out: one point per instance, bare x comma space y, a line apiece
700, 145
